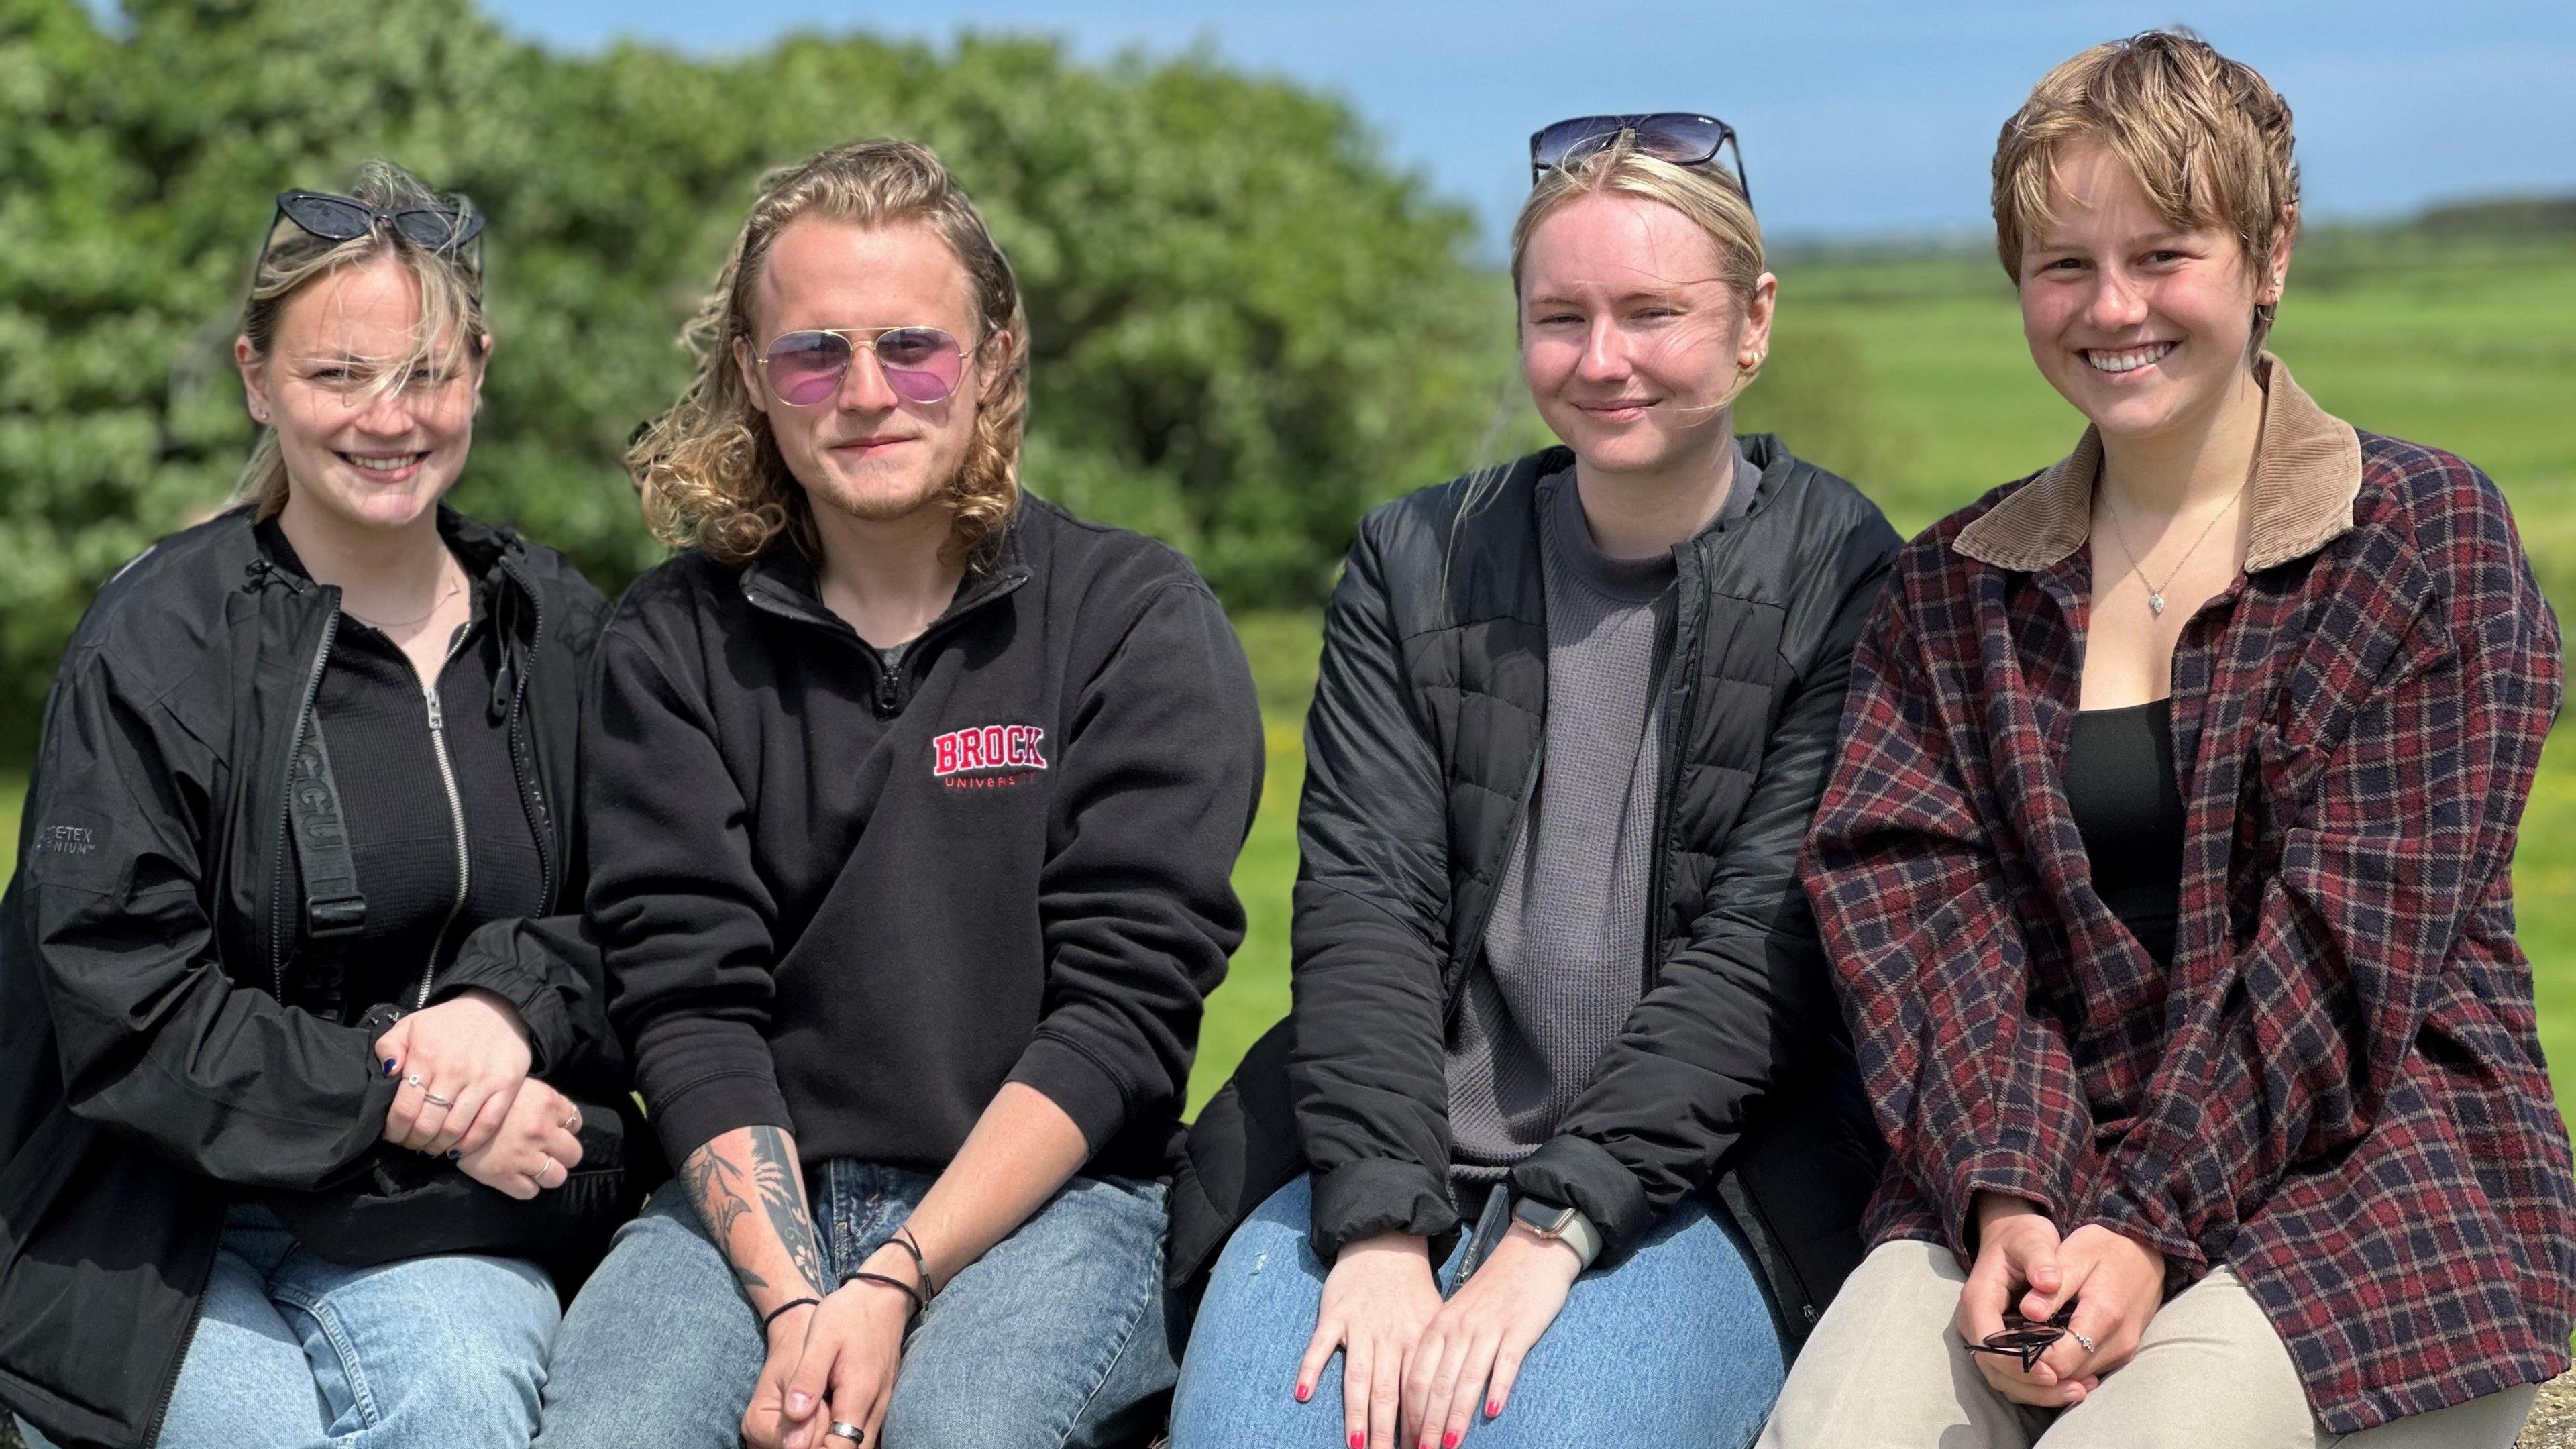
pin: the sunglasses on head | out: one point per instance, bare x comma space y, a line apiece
1675, 136
451, 230
920, 364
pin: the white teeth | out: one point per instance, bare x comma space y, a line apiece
2128, 360
385, 465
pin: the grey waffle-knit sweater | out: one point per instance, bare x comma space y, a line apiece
1564, 958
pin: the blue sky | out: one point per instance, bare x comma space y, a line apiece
1859, 118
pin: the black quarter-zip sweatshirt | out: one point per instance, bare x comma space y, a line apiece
852, 897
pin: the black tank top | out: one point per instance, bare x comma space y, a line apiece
2127, 803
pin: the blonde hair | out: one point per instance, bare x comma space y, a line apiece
451, 327
709, 470
1708, 194
2207, 138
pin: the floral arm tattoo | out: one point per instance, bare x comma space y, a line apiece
751, 1175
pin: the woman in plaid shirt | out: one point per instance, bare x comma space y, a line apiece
2167, 868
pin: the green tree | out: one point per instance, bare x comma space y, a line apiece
1247, 325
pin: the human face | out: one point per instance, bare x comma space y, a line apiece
2142, 326
867, 452
363, 454
1633, 344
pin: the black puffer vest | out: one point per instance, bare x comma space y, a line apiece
1733, 1076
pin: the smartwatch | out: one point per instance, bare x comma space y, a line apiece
1561, 1224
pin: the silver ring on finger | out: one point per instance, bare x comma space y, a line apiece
844, 1429
435, 1100
2078, 1335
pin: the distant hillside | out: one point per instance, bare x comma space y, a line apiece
2492, 218
2503, 216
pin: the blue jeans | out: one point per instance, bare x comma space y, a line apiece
293, 1351
1055, 1337
1674, 1346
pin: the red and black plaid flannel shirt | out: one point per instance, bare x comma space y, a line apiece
2337, 1088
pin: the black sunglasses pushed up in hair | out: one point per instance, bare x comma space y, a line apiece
1676, 136
449, 229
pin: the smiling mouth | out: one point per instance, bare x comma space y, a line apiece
382, 462
2125, 359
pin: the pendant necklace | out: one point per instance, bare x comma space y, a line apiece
2155, 593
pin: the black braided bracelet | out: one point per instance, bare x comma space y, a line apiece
772, 1315
904, 1239
862, 1275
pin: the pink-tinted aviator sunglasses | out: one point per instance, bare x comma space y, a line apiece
921, 364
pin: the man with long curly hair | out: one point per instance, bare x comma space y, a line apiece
912, 810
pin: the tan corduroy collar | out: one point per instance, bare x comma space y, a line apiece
2307, 472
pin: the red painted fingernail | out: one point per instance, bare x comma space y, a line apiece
1358, 1440
1304, 1393
1450, 1439
1494, 1409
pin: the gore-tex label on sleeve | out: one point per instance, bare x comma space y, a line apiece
62, 852
66, 840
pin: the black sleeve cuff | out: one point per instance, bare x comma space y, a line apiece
539, 1005
1378, 1195
1580, 1173
1067, 1076
713, 1106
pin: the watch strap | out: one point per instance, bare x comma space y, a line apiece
1566, 1225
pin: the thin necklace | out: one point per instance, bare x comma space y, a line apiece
2155, 592
383, 626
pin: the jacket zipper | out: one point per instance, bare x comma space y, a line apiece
456, 815
1675, 724
178, 1361
286, 796
531, 801
1463, 946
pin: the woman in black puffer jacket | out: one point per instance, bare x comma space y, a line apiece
1567, 1029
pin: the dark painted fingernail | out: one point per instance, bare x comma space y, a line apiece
390, 1065
454, 1153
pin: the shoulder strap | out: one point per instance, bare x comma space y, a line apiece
334, 910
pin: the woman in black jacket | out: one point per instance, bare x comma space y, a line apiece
1567, 1028
291, 1033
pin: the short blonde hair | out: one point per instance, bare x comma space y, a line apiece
2207, 138
709, 470
1708, 194
452, 325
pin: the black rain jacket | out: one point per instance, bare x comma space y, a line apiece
152, 1059
1734, 1074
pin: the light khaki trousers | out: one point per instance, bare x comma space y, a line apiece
1885, 1370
